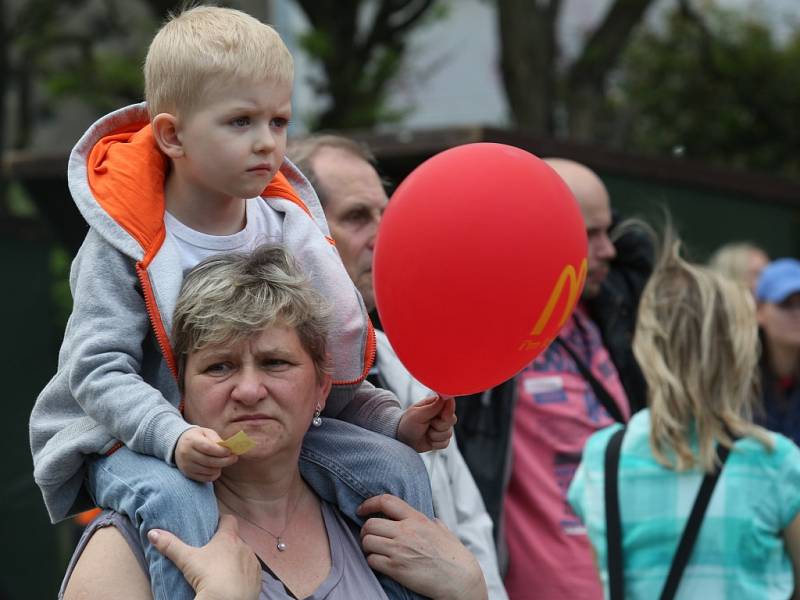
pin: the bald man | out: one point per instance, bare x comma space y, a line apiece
592, 197
523, 440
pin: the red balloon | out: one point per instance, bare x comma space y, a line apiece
479, 261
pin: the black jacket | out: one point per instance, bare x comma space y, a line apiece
614, 310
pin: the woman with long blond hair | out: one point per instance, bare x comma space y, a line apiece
692, 499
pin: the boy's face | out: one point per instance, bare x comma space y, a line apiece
234, 142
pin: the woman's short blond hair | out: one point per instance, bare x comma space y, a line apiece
207, 47
232, 296
697, 344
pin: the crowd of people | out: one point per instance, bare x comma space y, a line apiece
225, 285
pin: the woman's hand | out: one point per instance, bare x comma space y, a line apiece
200, 457
223, 569
421, 554
428, 424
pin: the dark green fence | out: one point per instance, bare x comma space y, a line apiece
706, 219
33, 550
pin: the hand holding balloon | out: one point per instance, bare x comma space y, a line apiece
428, 424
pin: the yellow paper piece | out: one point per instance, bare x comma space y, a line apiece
238, 443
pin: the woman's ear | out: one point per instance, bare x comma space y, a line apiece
165, 131
324, 383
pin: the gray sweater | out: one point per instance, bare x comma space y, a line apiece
115, 381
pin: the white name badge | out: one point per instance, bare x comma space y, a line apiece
539, 385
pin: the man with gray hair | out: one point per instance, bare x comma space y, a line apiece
353, 197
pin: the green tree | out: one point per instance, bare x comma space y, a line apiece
360, 46
717, 86
54, 49
539, 87
27, 31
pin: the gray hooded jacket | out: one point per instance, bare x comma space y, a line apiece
116, 378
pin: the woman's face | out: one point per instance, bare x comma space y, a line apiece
265, 384
781, 322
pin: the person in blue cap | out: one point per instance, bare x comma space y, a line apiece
778, 296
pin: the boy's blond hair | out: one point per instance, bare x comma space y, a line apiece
209, 46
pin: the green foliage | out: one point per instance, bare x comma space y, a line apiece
18, 203
104, 84
316, 43
724, 90
360, 52
358, 98
81, 49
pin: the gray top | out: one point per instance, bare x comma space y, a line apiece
350, 576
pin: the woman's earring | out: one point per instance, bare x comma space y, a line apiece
317, 420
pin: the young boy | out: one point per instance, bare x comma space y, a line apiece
197, 171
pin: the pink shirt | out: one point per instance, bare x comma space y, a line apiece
550, 556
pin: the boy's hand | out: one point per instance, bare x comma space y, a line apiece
198, 455
428, 424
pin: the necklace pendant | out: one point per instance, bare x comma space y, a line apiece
281, 545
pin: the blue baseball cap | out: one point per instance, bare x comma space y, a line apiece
779, 280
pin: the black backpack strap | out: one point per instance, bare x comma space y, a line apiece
600, 392
616, 568
689, 537
615, 562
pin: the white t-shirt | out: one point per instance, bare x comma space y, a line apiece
264, 225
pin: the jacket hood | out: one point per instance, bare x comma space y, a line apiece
116, 175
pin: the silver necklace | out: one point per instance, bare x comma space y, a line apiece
279, 543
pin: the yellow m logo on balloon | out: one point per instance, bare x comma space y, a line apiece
575, 283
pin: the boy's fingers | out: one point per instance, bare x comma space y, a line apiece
213, 462
210, 434
428, 409
204, 474
211, 448
449, 408
427, 400
439, 436
442, 424
228, 460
